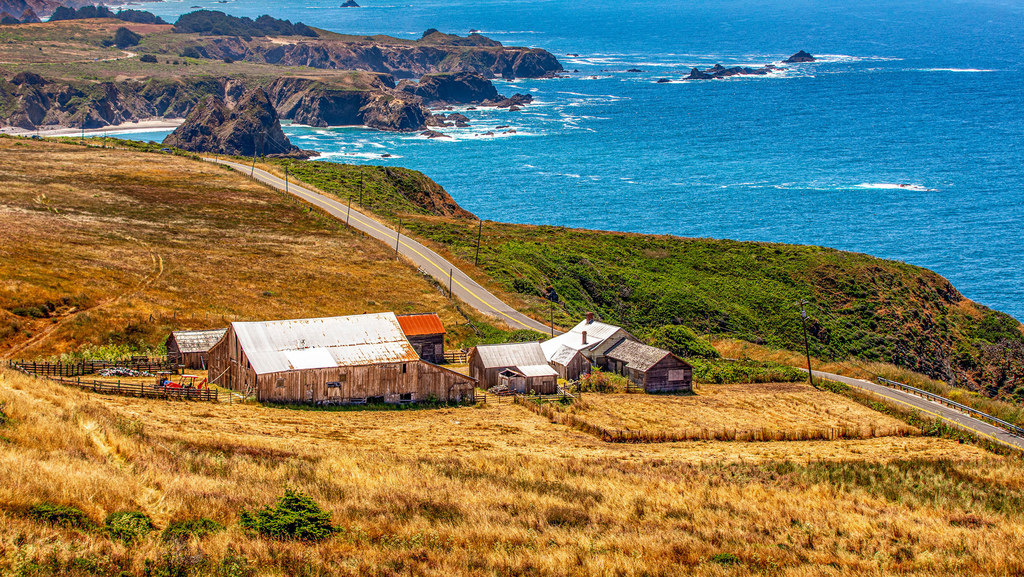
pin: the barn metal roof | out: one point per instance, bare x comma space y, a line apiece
597, 332
277, 346
636, 355
197, 341
544, 370
424, 324
511, 355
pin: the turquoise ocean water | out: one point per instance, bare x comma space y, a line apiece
925, 94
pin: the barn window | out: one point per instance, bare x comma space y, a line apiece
333, 385
280, 382
677, 375
405, 397
403, 368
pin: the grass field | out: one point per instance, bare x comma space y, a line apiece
113, 248
762, 411
487, 491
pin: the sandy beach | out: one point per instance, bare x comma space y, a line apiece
124, 128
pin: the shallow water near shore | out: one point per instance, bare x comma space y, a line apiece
904, 141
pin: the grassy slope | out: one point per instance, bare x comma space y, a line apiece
489, 491
118, 247
860, 306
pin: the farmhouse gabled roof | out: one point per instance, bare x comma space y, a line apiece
197, 341
277, 346
423, 324
511, 355
597, 333
564, 355
636, 355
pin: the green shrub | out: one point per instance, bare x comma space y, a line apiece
148, 58
747, 372
725, 559
124, 38
182, 530
128, 526
60, 516
682, 342
294, 516
601, 382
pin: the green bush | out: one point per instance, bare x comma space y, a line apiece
124, 38
128, 526
182, 530
747, 372
294, 516
60, 516
725, 559
601, 382
682, 342
148, 58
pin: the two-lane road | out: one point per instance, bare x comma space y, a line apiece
464, 287
976, 426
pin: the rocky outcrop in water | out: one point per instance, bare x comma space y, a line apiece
250, 127
800, 57
718, 71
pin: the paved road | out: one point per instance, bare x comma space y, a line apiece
429, 261
981, 428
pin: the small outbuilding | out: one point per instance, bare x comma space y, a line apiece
191, 349
355, 359
523, 365
650, 368
591, 337
426, 335
569, 363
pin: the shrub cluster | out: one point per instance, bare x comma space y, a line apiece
747, 372
682, 342
124, 38
136, 16
60, 516
215, 23
183, 529
295, 516
128, 526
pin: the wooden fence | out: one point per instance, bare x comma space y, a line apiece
141, 390
456, 357
79, 368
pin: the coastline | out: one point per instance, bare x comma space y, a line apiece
123, 128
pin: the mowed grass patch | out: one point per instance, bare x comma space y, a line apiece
494, 490
119, 247
759, 412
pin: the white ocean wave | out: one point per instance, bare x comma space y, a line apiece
893, 186
954, 70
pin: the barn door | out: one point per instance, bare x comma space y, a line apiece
309, 392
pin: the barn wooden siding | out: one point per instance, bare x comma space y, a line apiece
409, 381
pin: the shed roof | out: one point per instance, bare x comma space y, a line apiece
423, 324
637, 356
278, 346
544, 370
597, 333
511, 355
564, 355
197, 341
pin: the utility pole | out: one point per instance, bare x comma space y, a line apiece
479, 233
451, 273
807, 346
552, 319
360, 190
286, 179
398, 235
349, 213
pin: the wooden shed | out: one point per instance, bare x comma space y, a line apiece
426, 335
652, 369
192, 348
487, 362
356, 359
570, 363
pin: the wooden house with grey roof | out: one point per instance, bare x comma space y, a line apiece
521, 366
591, 337
191, 349
650, 368
354, 359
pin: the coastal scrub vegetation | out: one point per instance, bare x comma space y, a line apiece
497, 490
216, 23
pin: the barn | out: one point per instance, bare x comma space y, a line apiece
524, 366
355, 359
592, 338
569, 363
192, 348
426, 335
652, 369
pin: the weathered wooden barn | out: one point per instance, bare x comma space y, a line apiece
356, 359
529, 368
652, 369
192, 348
426, 335
591, 337
570, 363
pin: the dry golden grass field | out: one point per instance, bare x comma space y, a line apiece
767, 411
495, 490
116, 247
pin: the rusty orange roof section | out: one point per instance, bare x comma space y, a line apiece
425, 324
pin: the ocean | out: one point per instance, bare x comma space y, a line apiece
905, 141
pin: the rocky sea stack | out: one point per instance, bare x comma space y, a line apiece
800, 57
250, 127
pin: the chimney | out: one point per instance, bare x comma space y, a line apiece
590, 318
584, 337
